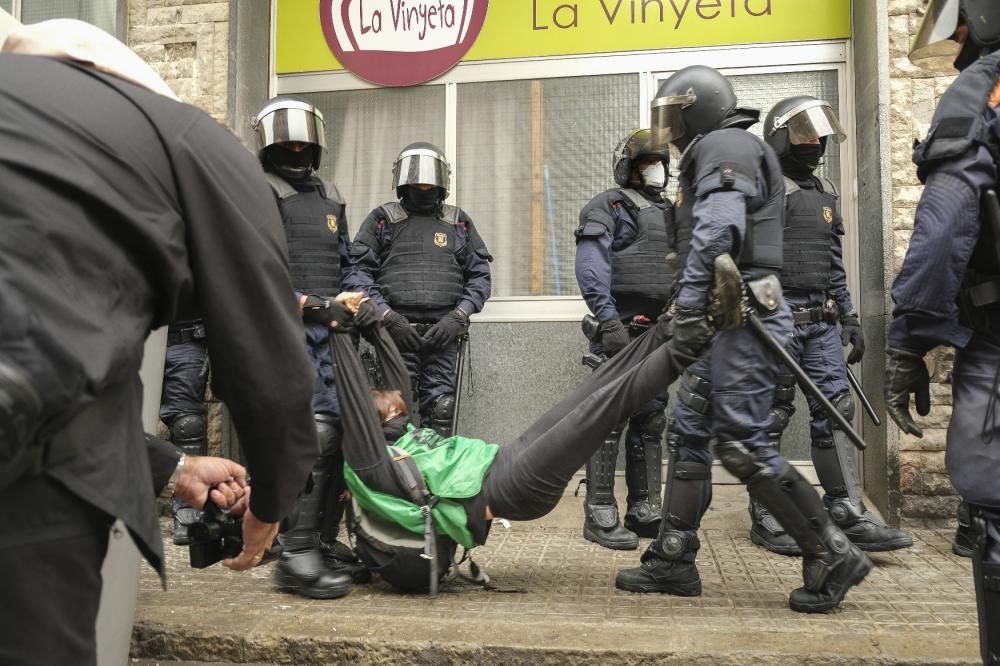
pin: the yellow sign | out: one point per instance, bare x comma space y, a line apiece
529, 28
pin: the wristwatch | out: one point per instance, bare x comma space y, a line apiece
168, 490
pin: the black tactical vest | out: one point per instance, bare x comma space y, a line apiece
761, 253
420, 268
641, 269
810, 219
312, 228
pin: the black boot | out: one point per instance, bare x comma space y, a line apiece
965, 540
600, 510
831, 563
767, 532
643, 460
985, 525
668, 565
340, 559
866, 530
301, 569
188, 432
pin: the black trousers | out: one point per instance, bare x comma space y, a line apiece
52, 546
530, 474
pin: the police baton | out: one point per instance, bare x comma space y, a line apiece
463, 344
865, 402
769, 341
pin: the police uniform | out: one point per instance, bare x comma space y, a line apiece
621, 267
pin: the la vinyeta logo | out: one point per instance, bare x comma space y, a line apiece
401, 42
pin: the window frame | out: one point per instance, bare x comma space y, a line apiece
651, 67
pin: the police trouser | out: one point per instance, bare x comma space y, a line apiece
52, 546
185, 373
530, 474
433, 373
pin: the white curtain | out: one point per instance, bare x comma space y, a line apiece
101, 13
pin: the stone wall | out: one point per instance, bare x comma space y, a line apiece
187, 43
925, 487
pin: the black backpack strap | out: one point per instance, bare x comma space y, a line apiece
412, 481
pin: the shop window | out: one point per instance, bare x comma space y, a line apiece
102, 13
7, 5
365, 130
530, 154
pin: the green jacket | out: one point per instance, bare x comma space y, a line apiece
453, 469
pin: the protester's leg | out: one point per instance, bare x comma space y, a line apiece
50, 574
531, 473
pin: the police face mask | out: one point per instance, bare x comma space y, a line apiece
291, 164
654, 176
808, 154
417, 200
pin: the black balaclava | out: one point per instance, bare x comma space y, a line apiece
422, 202
395, 427
291, 165
802, 159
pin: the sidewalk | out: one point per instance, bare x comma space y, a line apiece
916, 607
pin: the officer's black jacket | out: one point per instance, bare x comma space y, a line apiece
121, 211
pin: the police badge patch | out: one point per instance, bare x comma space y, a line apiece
828, 214
331, 222
441, 239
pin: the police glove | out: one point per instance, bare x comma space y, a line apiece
614, 337
319, 310
906, 373
447, 330
402, 332
850, 332
691, 332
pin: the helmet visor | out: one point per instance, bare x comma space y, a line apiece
421, 167
933, 49
292, 121
667, 119
810, 121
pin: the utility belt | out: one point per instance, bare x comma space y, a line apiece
829, 312
176, 336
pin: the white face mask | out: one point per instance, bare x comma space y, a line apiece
655, 176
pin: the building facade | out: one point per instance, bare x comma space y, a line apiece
529, 120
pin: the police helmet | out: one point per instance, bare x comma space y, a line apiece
421, 163
637, 144
287, 119
801, 119
692, 102
936, 47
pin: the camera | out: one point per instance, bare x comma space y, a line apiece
214, 536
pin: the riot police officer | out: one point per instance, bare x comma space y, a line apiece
182, 403
621, 267
290, 144
815, 287
731, 200
427, 269
948, 291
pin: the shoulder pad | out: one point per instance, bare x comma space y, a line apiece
958, 121
332, 193
280, 186
595, 216
449, 214
728, 159
635, 198
393, 212
791, 187
827, 185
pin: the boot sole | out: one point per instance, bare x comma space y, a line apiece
674, 589
286, 583
861, 569
768, 546
611, 545
884, 546
961, 551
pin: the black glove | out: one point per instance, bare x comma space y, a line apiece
399, 328
906, 373
319, 310
447, 330
614, 337
367, 315
850, 332
691, 332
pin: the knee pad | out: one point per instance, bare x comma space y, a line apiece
738, 460
655, 425
188, 430
844, 404
784, 389
442, 408
695, 392
780, 417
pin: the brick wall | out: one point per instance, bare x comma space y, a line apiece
924, 484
